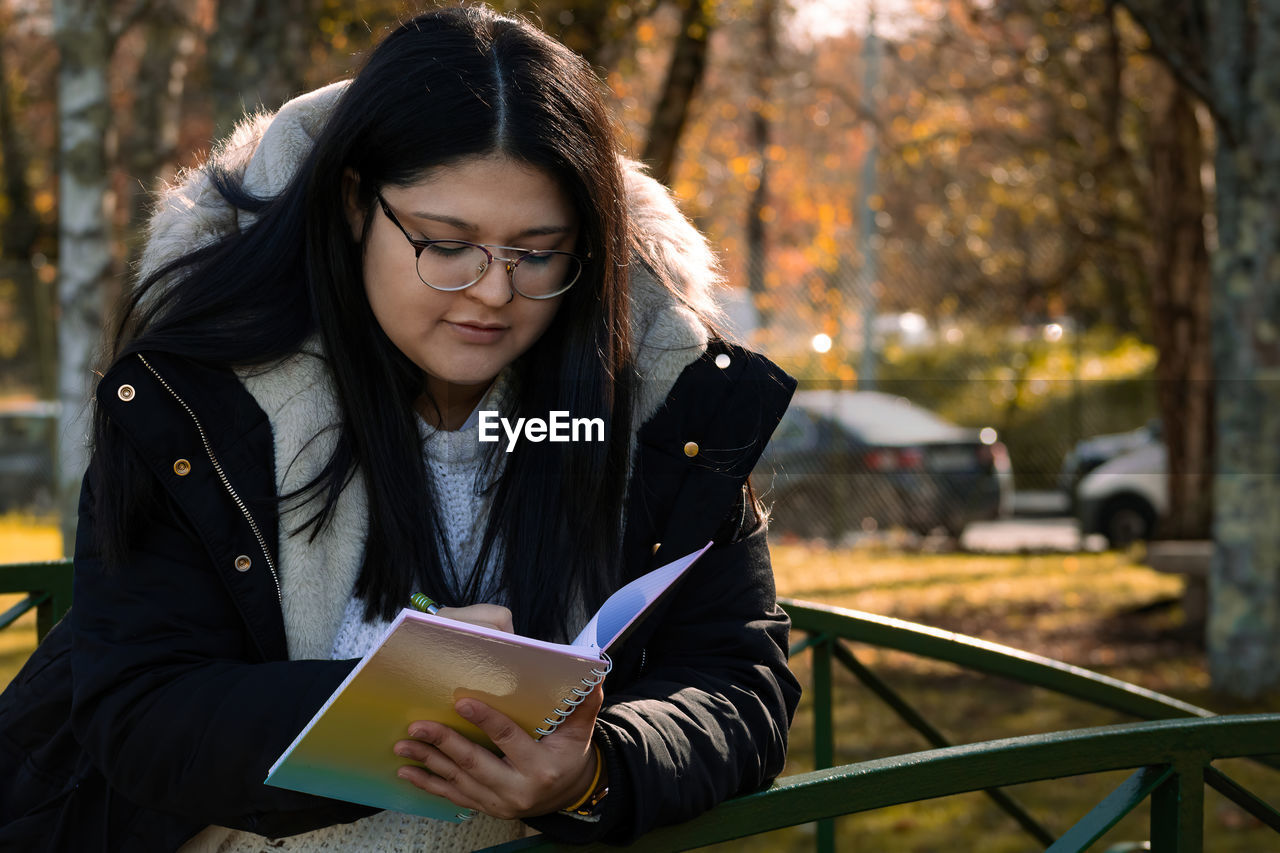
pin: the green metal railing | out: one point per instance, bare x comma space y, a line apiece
1171, 753
1180, 771
47, 587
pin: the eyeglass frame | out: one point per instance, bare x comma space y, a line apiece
419, 246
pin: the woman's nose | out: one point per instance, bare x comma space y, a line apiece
494, 287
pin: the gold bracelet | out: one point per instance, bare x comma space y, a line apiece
595, 780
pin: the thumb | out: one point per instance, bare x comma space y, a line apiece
581, 724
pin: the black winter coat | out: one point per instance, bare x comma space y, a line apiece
156, 707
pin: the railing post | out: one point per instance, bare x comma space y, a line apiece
57, 580
44, 617
823, 729
1177, 810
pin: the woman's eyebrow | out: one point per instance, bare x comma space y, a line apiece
463, 225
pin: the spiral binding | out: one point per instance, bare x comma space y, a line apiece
560, 712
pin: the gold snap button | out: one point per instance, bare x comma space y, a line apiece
125, 392
182, 467
243, 563
723, 360
691, 448
656, 546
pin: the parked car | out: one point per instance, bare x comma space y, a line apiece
27, 429
847, 461
1125, 498
1089, 453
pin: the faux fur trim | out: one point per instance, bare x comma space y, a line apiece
317, 576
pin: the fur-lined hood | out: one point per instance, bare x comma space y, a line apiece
317, 575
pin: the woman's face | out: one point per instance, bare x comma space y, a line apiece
462, 339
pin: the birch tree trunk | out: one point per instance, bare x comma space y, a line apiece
84, 251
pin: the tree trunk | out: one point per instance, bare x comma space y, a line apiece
149, 152
684, 75
20, 228
21, 354
1224, 52
84, 251
603, 31
1244, 617
1179, 273
256, 57
759, 136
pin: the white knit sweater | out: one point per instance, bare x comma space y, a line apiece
455, 460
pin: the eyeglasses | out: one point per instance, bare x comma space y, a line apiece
451, 265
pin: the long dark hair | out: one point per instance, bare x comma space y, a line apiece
446, 85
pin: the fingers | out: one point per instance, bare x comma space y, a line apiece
447, 753
544, 775
511, 740
531, 777
432, 784
489, 615
452, 765
464, 773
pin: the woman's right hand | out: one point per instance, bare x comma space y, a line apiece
489, 615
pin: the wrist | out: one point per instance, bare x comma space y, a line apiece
597, 785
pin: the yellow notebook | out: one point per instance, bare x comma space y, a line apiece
423, 665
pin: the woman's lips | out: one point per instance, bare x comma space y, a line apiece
477, 334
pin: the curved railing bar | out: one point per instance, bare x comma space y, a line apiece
988, 657
23, 607
869, 785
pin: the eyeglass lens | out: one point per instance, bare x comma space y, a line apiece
451, 266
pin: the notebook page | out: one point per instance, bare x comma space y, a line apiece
625, 606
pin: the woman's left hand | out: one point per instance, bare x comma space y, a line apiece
531, 777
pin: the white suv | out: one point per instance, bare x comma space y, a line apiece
1124, 498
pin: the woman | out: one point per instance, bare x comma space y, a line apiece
285, 448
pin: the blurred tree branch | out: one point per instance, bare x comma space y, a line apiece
1179, 33
684, 75
127, 18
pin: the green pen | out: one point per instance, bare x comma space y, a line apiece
424, 604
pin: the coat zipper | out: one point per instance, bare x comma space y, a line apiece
217, 466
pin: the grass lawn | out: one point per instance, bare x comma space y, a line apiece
1101, 611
